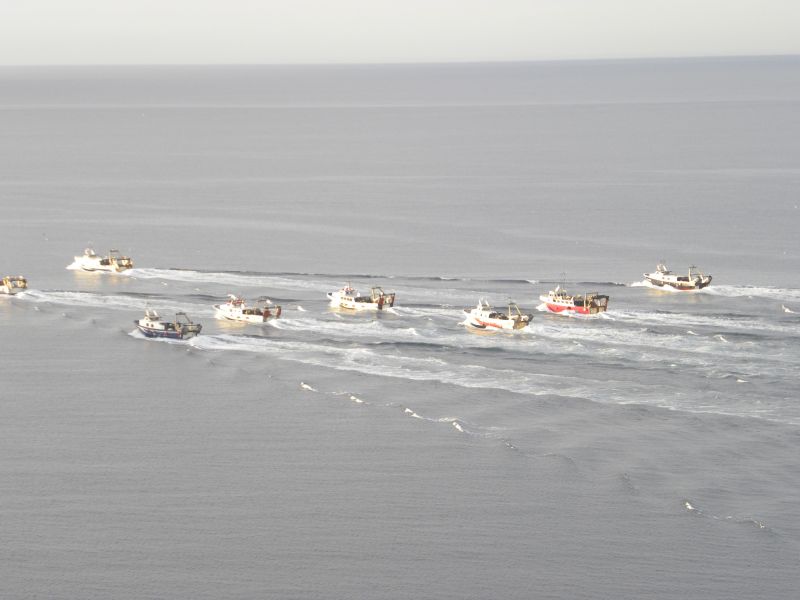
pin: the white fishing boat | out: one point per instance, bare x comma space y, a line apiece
483, 316
693, 280
180, 329
351, 299
11, 284
235, 309
113, 263
560, 302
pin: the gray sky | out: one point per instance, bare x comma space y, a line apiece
336, 31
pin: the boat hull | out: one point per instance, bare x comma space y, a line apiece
355, 305
492, 324
167, 333
95, 265
568, 308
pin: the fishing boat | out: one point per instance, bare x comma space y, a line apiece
349, 298
235, 309
11, 284
559, 301
694, 280
113, 263
483, 316
180, 329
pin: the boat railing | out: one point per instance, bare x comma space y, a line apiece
378, 296
182, 318
695, 272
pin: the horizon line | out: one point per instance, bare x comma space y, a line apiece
412, 63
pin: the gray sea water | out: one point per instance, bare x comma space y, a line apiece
648, 453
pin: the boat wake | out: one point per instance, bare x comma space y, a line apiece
690, 508
230, 279
731, 323
415, 289
411, 413
456, 423
646, 284
379, 363
746, 291
117, 301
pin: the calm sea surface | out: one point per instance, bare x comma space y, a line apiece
651, 452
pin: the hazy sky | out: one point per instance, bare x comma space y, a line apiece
330, 31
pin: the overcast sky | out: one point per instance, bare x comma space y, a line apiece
374, 31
